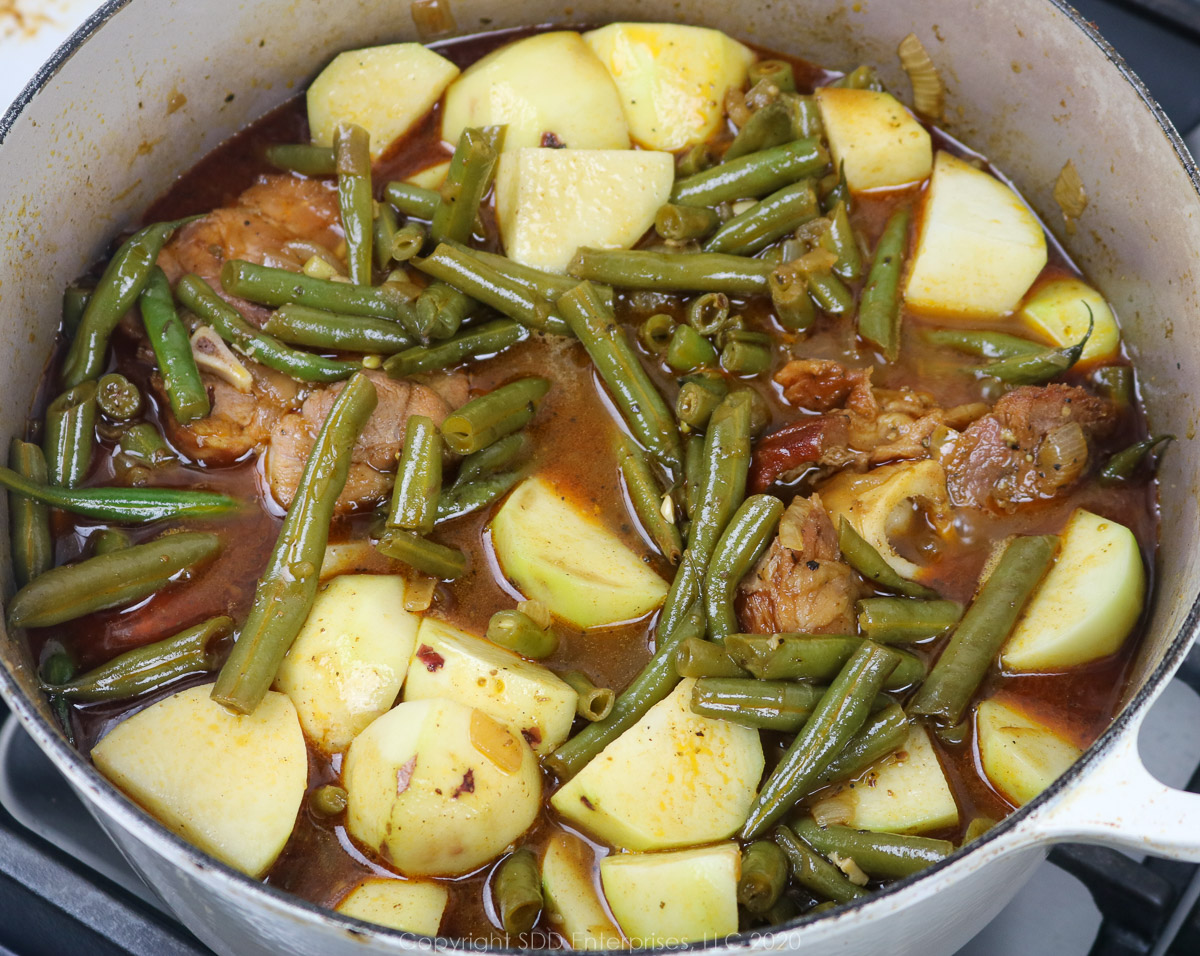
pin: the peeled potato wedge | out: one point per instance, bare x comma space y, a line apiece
571, 563
979, 247
414, 906
1088, 602
349, 660
548, 89
231, 785
573, 907
642, 790
526, 697
431, 177
671, 898
549, 202
672, 78
384, 89
873, 138
1020, 756
437, 788
1059, 311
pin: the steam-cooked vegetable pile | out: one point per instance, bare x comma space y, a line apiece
632, 489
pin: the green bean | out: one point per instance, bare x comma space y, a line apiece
861, 78
542, 284
813, 871
701, 658
478, 341
108, 540
746, 353
647, 498
517, 632
475, 278
837, 717
789, 296
384, 228
517, 886
29, 521
489, 417
1116, 383
776, 72
884, 732
744, 540
683, 223
168, 337
412, 200
806, 118
815, 657
671, 272
428, 557
111, 580
70, 435
784, 911
696, 159
118, 289
466, 497
764, 876
408, 241
287, 587
1121, 466
994, 345
767, 220
329, 800
885, 856
709, 314
228, 323
693, 472
316, 328
689, 350
275, 287
839, 239
143, 442
508, 451
830, 293
117, 397
834, 189
697, 400
863, 558
467, 179
75, 300
879, 309
760, 411
771, 125
889, 620
303, 158
1037, 368
633, 392
984, 628
749, 177
655, 333
418, 477
766, 705
191, 651
441, 309
592, 703
58, 668
352, 154
652, 684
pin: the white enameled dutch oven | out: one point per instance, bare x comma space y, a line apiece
92, 141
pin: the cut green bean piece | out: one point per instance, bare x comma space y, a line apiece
592, 703
767, 705
889, 620
110, 580
815, 657
352, 154
384, 230
683, 223
479, 341
647, 498
700, 658
441, 309
117, 397
698, 399
1037, 368
769, 219
75, 300
28, 518
745, 354
814, 872
1124, 464
764, 876
776, 72
830, 293
467, 497
879, 309
693, 472
672, 272
1116, 383
418, 477
771, 125
412, 200
517, 632
884, 732
408, 241
993, 345
467, 179
489, 417
544, 285
885, 856
329, 800
862, 556
288, 586
168, 337
689, 350
108, 540
70, 435
744, 540
143, 442
696, 159
655, 333
428, 557
749, 177
517, 886
510, 451
793, 305
316, 328
709, 314
860, 78
985, 627
303, 158
840, 240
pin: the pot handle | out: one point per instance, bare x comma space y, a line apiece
1119, 804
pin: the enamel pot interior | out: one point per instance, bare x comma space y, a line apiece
147, 87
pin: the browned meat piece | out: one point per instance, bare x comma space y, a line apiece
273, 212
819, 385
377, 449
1033, 444
800, 583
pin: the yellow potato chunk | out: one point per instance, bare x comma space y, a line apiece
526, 697
437, 788
414, 906
1088, 602
979, 248
548, 89
874, 138
431, 177
642, 790
573, 906
349, 660
384, 89
229, 784
569, 561
672, 78
1021, 757
664, 899
1059, 311
549, 202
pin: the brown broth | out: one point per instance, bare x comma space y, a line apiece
572, 435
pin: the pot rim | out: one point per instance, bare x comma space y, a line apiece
84, 777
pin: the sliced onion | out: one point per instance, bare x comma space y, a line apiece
1070, 195
929, 92
854, 872
418, 593
791, 528
736, 108
537, 612
835, 810
1063, 455
432, 18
